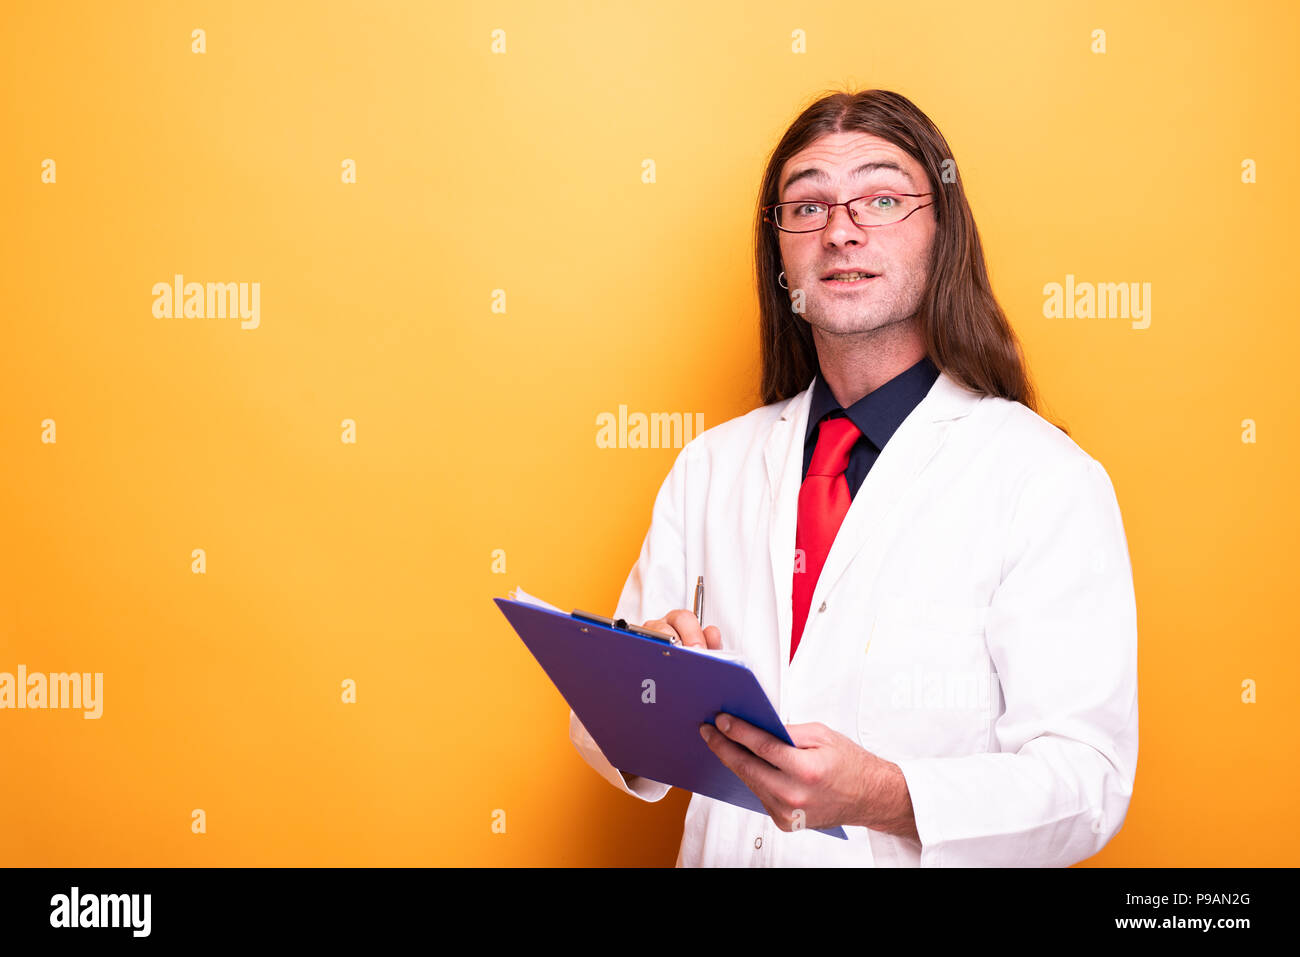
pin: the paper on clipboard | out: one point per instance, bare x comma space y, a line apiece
518, 594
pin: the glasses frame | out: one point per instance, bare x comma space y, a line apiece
770, 217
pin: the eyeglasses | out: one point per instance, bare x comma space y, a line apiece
878, 209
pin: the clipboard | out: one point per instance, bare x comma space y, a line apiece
643, 698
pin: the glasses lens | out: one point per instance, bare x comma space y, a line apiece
801, 216
882, 209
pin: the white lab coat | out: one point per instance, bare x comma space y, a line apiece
974, 623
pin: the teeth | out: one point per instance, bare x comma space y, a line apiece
849, 276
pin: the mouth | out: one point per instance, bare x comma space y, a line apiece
849, 279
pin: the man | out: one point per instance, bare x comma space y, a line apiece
931, 582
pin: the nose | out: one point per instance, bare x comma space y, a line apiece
840, 228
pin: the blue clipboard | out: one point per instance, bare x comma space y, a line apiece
603, 670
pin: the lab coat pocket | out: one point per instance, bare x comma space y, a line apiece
927, 684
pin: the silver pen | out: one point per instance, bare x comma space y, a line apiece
699, 601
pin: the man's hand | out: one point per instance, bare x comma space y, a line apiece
824, 780
686, 626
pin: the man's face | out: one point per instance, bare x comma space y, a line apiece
898, 254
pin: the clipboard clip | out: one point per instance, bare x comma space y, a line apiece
622, 625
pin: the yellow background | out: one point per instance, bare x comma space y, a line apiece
475, 429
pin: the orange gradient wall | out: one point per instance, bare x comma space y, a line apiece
487, 179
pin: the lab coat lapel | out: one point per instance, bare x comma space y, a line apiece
783, 458
904, 457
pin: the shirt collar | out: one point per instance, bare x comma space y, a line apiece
877, 414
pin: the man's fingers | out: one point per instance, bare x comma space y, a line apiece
687, 627
758, 742
661, 626
811, 735
713, 637
753, 770
683, 623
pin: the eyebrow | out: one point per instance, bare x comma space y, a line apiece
818, 174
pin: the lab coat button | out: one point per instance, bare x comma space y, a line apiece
823, 607
758, 842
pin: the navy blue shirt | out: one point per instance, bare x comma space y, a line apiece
877, 415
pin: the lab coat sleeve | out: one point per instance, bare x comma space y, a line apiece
653, 588
643, 788
1062, 634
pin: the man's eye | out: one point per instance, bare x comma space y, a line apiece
807, 209
890, 201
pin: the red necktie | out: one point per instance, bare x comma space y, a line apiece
823, 501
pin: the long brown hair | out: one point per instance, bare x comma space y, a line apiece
965, 331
